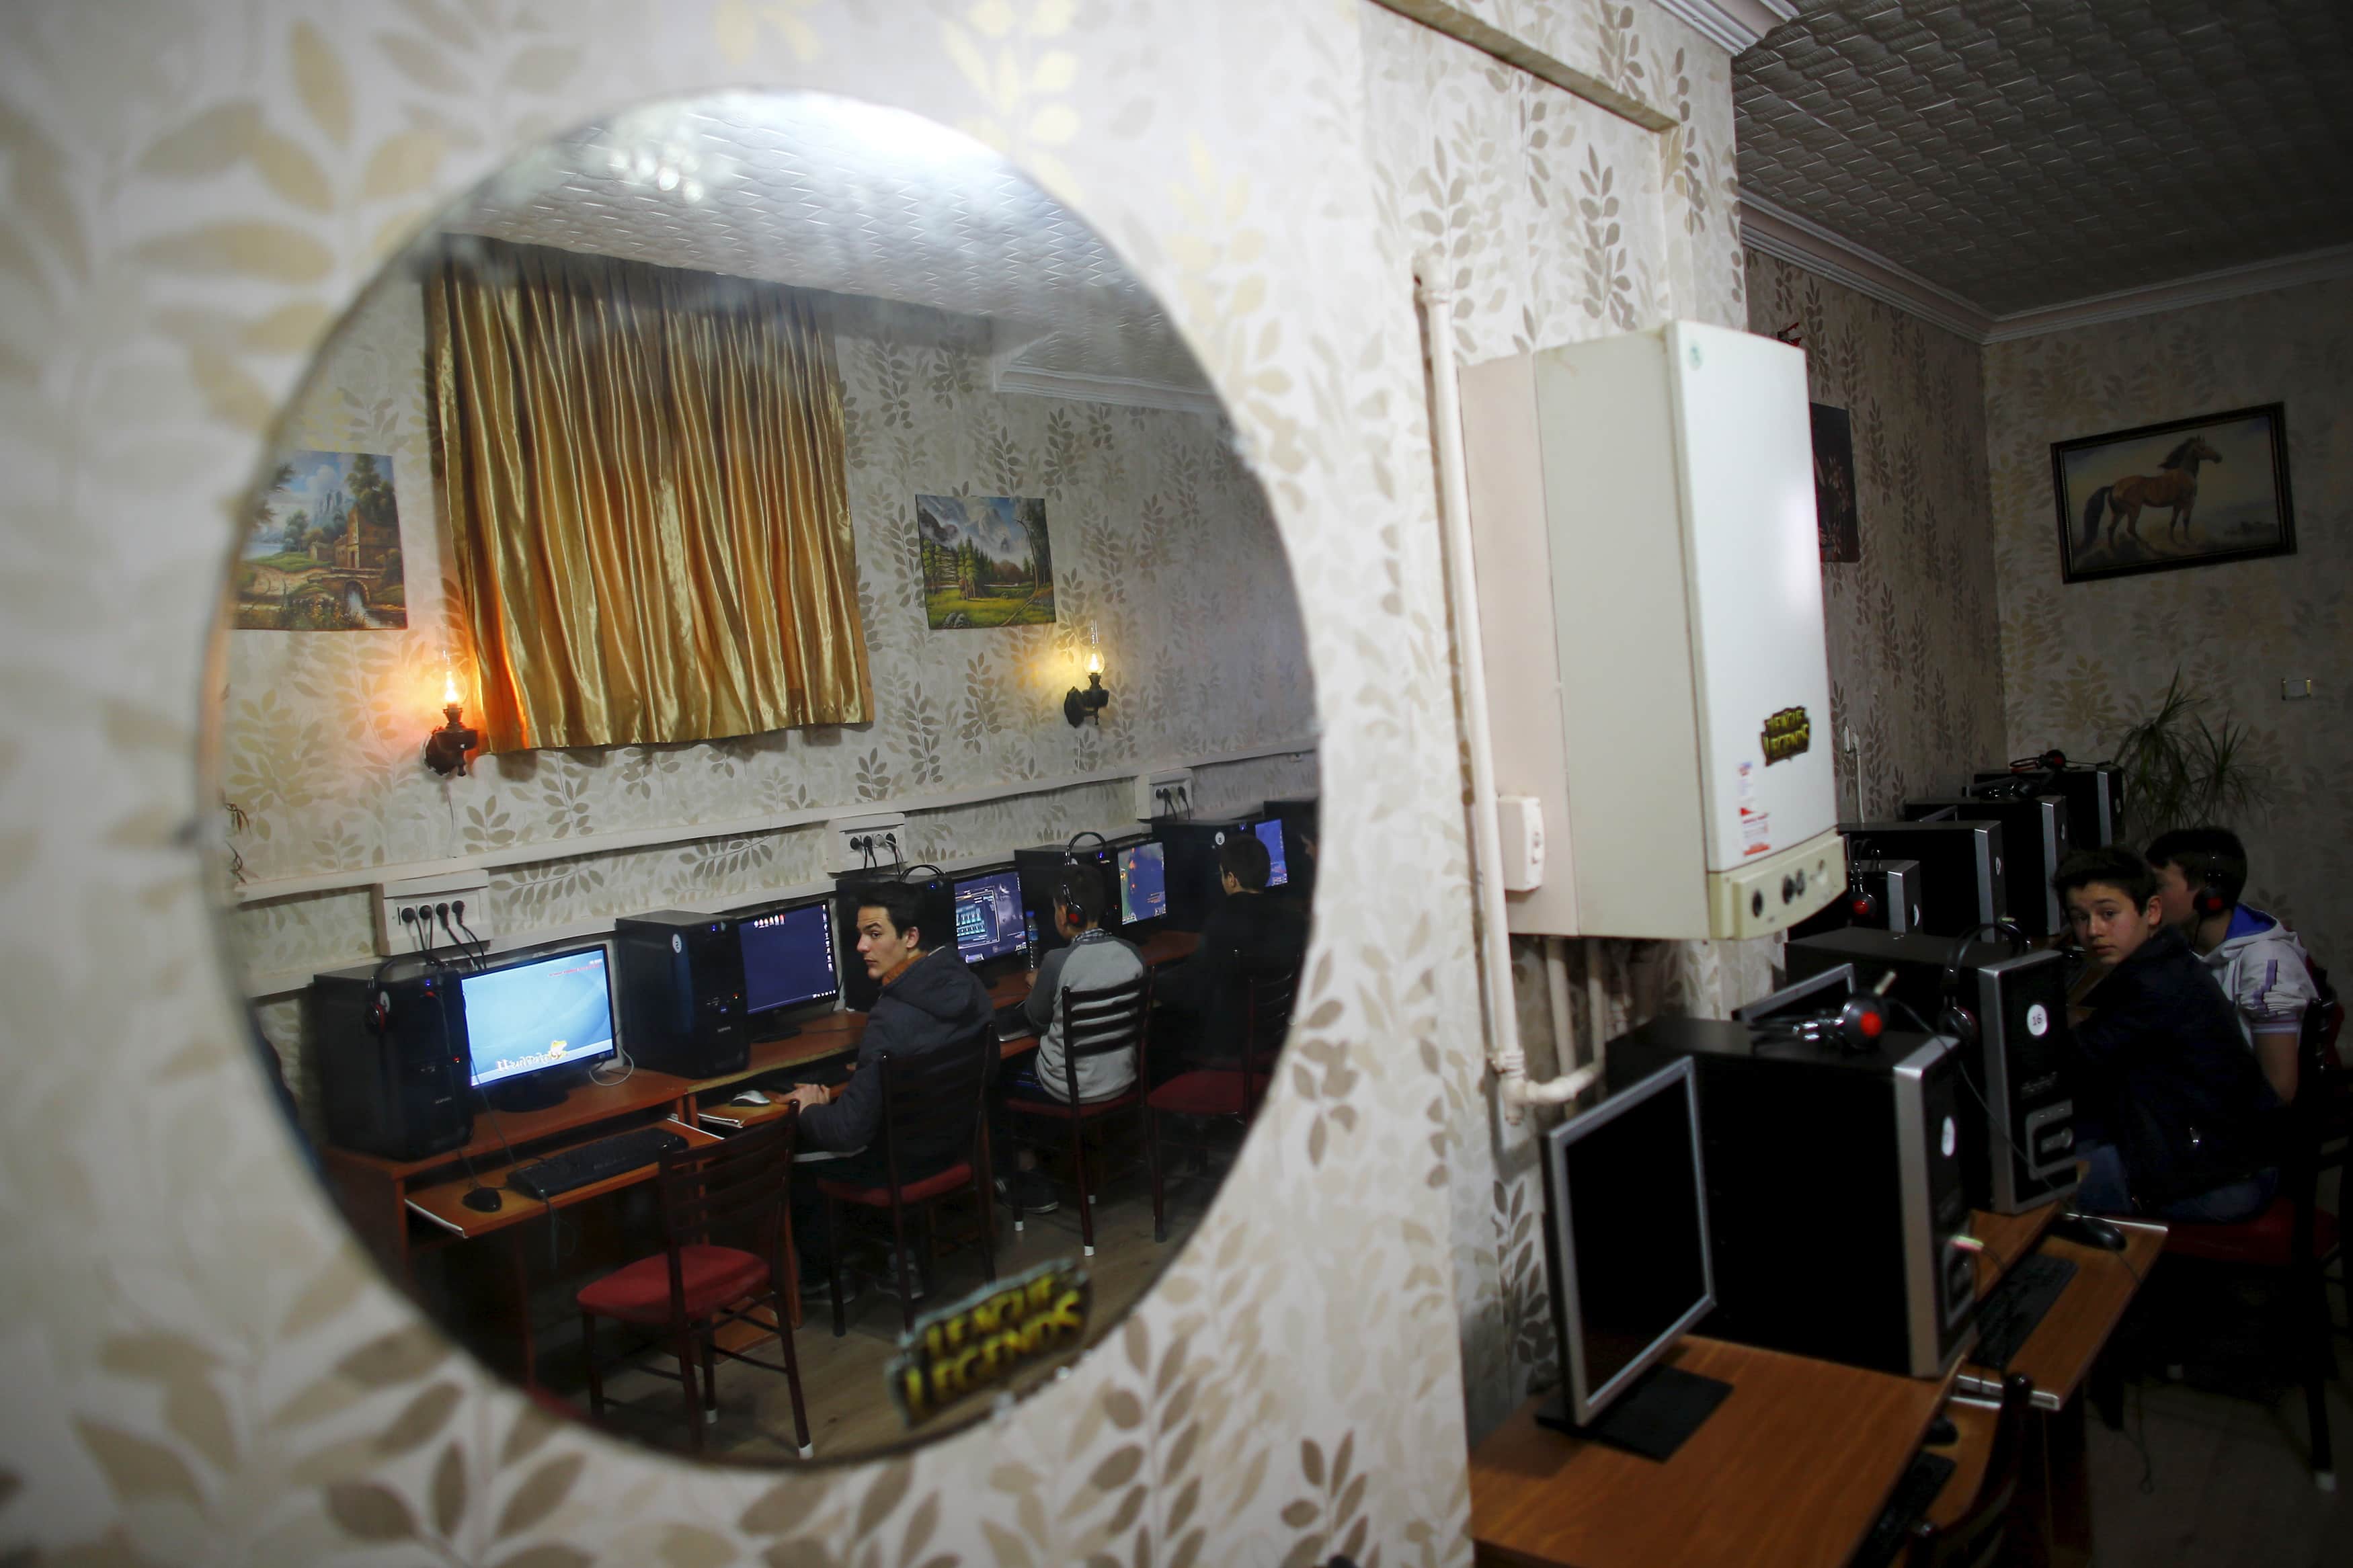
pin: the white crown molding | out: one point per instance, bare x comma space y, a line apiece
1735, 24
1800, 242
1804, 243
2199, 289
1128, 392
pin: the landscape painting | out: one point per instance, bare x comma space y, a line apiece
2188, 492
322, 548
985, 560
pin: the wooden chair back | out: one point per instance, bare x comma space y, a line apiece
731, 1187
1267, 1003
935, 1100
1102, 1023
1980, 1537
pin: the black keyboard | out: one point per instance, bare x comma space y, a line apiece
592, 1163
1914, 1490
2012, 1308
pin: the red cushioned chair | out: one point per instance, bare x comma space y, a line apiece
2295, 1236
1231, 1093
736, 1188
930, 1100
1094, 1023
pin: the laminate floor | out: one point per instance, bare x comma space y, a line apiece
849, 1407
2202, 1479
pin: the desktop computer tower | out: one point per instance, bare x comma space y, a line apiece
1881, 895
401, 1091
2018, 1126
1195, 884
1961, 882
2033, 839
2095, 798
1834, 1190
682, 983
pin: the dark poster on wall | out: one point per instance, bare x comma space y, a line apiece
1835, 515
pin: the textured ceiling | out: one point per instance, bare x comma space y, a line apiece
828, 194
2022, 154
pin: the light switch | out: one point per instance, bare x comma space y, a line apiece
2295, 688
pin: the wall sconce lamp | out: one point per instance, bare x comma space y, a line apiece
1078, 706
446, 748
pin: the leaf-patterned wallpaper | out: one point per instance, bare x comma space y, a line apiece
1552, 221
1916, 665
1163, 546
2083, 660
201, 1366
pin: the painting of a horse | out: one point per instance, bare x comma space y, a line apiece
2218, 480
2175, 485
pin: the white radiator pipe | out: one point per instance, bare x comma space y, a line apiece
1505, 1053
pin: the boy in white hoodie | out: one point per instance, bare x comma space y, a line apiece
2257, 961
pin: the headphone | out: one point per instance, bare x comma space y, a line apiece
2053, 761
2207, 900
1854, 1026
1954, 1016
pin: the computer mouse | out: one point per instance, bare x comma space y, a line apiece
1942, 1433
752, 1096
484, 1199
2088, 1230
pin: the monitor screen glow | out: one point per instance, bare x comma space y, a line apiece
1269, 833
1626, 1204
534, 1016
1143, 882
787, 958
989, 916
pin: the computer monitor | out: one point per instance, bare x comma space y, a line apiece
1269, 833
989, 916
1627, 1240
530, 1021
2035, 837
789, 958
1143, 881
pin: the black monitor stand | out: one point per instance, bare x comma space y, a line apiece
533, 1091
768, 1028
1652, 1418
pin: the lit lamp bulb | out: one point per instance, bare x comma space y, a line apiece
446, 748
1078, 706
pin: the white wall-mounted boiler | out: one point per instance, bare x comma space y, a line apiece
1650, 609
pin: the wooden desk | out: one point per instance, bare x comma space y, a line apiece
387, 1200
1788, 1472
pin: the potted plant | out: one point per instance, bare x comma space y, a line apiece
2181, 772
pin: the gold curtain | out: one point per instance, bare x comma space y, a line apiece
644, 476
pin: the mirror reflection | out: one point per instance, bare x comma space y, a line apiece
768, 777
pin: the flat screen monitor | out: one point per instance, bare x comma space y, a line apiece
988, 921
1269, 833
787, 957
1143, 882
1626, 1199
538, 1015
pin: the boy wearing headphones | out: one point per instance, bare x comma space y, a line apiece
2258, 962
2174, 1120
1092, 960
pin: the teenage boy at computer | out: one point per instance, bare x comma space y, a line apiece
2175, 1119
1247, 936
2258, 962
1091, 960
929, 1002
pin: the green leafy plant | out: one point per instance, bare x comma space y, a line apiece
2181, 772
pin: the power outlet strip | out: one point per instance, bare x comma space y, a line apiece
1168, 793
423, 896
855, 843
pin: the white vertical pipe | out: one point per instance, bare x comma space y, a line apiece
1505, 1053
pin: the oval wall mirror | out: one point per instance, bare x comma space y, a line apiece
767, 768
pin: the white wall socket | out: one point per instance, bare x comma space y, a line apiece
1168, 793
423, 894
856, 843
